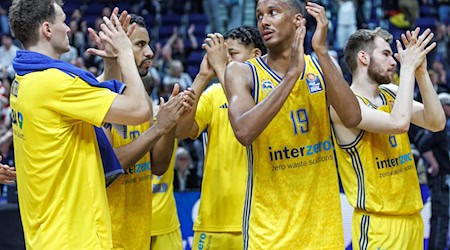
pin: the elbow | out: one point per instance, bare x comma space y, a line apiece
439, 124
158, 172
353, 121
403, 127
141, 114
243, 137
160, 168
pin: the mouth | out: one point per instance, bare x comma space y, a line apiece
267, 34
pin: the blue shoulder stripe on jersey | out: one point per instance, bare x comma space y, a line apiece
269, 70
316, 64
255, 83
390, 92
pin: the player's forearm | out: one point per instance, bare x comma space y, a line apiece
339, 93
402, 111
111, 70
249, 125
186, 125
131, 153
430, 158
162, 152
433, 112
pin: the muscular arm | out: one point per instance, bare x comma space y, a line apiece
430, 114
339, 94
161, 153
247, 119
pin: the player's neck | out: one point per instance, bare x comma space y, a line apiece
363, 85
45, 50
278, 62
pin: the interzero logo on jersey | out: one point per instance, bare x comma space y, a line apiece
308, 150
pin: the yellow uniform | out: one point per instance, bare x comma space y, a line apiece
60, 178
225, 170
166, 234
292, 197
130, 198
379, 178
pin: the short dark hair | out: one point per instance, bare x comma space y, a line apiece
25, 17
247, 35
139, 20
363, 39
295, 6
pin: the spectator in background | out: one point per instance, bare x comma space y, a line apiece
346, 22
175, 49
177, 75
7, 53
77, 37
4, 24
434, 149
185, 176
235, 9
410, 8
70, 55
212, 11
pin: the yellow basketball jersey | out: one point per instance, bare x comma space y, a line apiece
60, 179
292, 199
378, 171
130, 198
164, 210
225, 168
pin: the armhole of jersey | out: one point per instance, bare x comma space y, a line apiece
388, 91
255, 85
316, 65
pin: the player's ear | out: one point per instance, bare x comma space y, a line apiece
256, 52
298, 19
363, 58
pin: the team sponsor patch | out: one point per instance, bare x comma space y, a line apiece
313, 82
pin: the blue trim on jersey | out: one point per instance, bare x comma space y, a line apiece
390, 92
364, 230
248, 198
354, 142
383, 98
316, 64
269, 70
359, 171
255, 84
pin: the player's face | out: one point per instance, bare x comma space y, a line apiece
59, 29
141, 49
382, 64
239, 52
275, 22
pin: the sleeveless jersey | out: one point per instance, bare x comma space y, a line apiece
130, 198
292, 199
378, 171
164, 210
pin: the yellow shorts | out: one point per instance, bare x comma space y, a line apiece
169, 241
371, 231
212, 240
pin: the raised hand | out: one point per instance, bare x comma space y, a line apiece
171, 111
124, 21
416, 47
217, 52
319, 39
298, 48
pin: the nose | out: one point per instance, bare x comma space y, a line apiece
393, 63
149, 52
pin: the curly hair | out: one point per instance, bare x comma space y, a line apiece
247, 35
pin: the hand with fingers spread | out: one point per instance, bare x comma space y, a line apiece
114, 39
319, 39
217, 52
416, 47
